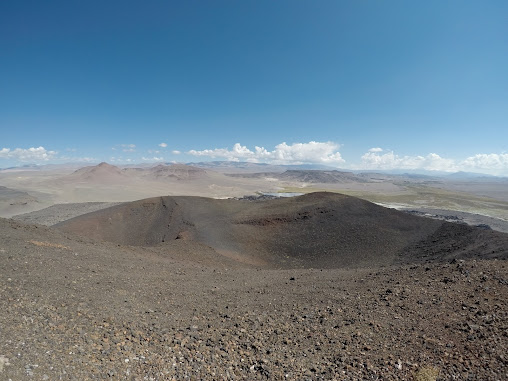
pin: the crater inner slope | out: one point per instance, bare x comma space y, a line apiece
314, 230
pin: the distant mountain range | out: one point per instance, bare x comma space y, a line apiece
307, 176
232, 166
105, 173
247, 167
469, 175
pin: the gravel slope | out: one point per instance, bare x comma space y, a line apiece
75, 309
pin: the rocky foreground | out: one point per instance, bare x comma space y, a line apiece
75, 309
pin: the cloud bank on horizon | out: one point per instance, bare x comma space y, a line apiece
375, 159
297, 153
33, 154
326, 153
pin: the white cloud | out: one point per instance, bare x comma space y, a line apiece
125, 147
376, 149
155, 158
73, 159
29, 154
489, 163
120, 160
495, 164
128, 147
163, 145
389, 160
176, 152
297, 153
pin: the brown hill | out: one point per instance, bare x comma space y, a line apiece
167, 172
14, 196
316, 230
175, 171
13, 201
102, 172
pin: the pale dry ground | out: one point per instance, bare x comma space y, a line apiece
487, 188
50, 187
421, 196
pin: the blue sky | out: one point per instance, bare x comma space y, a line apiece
352, 84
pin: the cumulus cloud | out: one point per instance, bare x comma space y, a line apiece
491, 163
128, 147
120, 160
163, 145
85, 159
389, 160
297, 153
155, 158
376, 149
40, 154
496, 164
29, 154
125, 147
176, 152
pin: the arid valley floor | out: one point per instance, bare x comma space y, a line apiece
168, 272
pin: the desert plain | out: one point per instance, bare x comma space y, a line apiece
200, 271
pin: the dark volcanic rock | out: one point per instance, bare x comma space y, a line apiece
318, 230
77, 309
